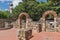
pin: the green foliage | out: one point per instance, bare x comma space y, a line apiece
3, 14
33, 8
54, 0
36, 9
28, 0
28, 7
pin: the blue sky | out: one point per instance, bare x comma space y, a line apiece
4, 4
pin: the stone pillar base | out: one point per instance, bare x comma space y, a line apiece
43, 30
39, 28
25, 34
56, 29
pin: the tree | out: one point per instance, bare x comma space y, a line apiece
54, 0
35, 9
4, 14
28, 0
1, 14
29, 7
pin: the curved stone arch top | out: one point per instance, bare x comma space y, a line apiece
49, 12
20, 18
24, 14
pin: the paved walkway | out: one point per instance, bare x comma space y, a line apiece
10, 34
46, 36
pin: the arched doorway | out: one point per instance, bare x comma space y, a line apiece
20, 19
44, 19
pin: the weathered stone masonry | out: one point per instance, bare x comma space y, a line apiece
31, 26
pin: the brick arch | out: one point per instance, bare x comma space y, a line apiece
49, 12
20, 18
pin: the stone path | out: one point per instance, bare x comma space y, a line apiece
10, 34
46, 36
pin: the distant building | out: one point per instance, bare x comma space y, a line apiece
11, 7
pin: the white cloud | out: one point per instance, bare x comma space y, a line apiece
16, 2
6, 9
0, 9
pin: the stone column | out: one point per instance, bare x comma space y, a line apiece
15, 24
28, 23
39, 27
19, 26
58, 22
55, 24
6, 25
43, 25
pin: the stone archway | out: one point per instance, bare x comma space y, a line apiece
20, 18
49, 12
44, 16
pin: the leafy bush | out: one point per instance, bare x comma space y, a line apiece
3, 14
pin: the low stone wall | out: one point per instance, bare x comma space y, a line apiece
6, 23
9, 23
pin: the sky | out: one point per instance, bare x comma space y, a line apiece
4, 4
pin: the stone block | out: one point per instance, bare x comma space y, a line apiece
39, 28
25, 34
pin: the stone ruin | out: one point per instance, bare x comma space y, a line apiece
25, 29
41, 26
55, 19
6, 23
24, 33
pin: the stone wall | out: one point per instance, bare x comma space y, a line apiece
6, 23
34, 24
